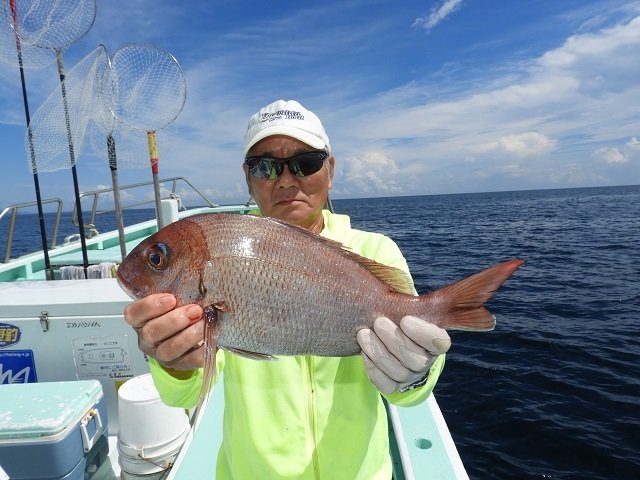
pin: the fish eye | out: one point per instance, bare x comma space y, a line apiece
157, 256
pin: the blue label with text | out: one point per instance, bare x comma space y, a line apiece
17, 366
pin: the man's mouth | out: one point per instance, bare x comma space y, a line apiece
286, 201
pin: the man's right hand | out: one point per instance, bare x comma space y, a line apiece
173, 336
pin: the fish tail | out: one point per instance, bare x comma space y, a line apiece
209, 369
460, 305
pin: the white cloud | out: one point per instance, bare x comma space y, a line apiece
580, 50
633, 144
521, 145
619, 155
369, 173
610, 155
438, 14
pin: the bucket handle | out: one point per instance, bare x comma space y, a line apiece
88, 443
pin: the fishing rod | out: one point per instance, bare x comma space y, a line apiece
34, 169
72, 157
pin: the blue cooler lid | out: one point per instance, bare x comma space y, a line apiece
29, 410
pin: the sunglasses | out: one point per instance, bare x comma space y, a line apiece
300, 165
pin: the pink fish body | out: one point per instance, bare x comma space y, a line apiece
276, 289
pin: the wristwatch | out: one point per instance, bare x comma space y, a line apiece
417, 384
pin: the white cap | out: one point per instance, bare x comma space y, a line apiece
286, 118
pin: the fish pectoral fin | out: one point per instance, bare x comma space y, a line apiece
209, 369
221, 306
251, 355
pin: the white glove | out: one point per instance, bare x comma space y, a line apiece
396, 357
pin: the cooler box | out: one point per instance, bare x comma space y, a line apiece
52, 430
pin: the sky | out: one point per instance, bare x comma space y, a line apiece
417, 97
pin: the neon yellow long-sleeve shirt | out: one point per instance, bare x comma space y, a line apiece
304, 417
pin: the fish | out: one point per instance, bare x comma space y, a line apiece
269, 288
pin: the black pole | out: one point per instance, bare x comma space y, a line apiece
34, 168
72, 157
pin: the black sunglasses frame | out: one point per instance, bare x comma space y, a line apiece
301, 165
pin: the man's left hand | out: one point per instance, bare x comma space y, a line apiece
397, 356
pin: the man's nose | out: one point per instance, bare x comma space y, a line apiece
287, 178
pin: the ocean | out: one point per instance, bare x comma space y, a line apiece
554, 391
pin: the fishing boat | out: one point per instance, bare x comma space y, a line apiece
71, 329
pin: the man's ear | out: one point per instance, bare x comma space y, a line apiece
246, 177
330, 170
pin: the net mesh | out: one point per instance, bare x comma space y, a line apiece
115, 114
148, 89
52, 24
31, 56
49, 129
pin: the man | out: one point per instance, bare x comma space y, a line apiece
298, 417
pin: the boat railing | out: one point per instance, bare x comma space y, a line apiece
12, 210
95, 196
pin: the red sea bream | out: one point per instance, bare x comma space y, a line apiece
269, 288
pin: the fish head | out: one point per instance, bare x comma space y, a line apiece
170, 261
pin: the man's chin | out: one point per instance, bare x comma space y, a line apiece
291, 207
292, 212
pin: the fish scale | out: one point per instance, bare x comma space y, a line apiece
288, 320
286, 289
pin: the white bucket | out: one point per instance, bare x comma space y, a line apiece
151, 433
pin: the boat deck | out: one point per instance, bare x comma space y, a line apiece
426, 452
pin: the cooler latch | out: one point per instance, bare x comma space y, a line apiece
44, 321
88, 443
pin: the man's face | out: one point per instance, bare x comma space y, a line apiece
297, 200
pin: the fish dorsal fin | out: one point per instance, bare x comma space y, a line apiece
395, 278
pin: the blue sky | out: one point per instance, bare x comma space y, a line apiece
418, 97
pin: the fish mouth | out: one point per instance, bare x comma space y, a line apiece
125, 287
